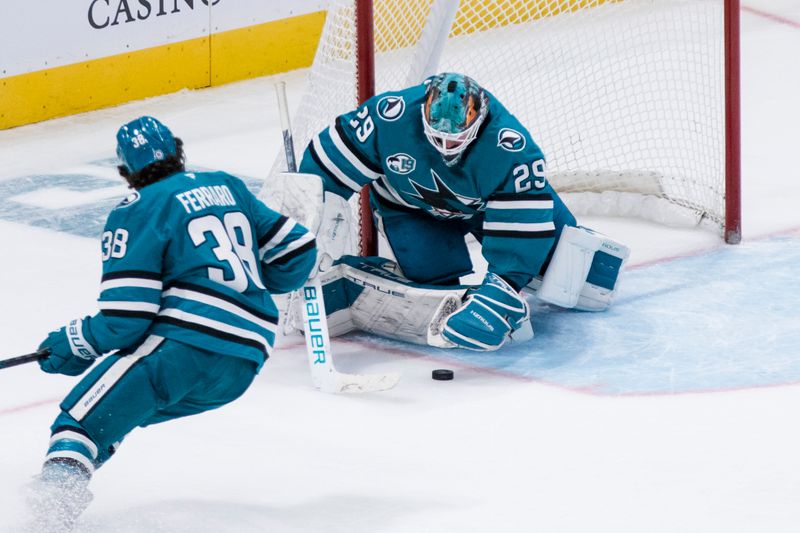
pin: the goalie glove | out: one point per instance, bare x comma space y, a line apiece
489, 316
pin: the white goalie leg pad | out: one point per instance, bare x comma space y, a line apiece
368, 296
584, 271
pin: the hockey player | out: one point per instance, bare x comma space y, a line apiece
444, 159
190, 261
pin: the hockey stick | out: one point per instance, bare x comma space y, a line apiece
315, 323
23, 359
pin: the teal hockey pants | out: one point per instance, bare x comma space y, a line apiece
156, 381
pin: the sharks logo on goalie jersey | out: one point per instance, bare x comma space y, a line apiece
444, 203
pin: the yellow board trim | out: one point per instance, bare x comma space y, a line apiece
102, 82
234, 55
265, 49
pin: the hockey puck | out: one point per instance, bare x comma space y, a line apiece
442, 374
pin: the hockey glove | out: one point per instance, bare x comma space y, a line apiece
489, 315
70, 352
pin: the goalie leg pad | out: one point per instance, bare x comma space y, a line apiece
365, 293
584, 271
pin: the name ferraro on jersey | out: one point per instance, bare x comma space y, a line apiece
199, 198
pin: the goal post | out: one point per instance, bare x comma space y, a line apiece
635, 103
365, 87
733, 143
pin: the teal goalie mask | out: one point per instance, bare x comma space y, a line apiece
454, 109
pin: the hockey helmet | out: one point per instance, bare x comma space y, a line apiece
454, 109
142, 142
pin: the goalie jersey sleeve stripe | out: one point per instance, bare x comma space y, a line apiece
518, 231
351, 153
528, 231
528, 215
334, 164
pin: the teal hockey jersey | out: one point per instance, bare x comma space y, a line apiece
499, 186
195, 257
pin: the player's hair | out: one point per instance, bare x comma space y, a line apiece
156, 171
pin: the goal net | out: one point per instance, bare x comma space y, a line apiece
626, 98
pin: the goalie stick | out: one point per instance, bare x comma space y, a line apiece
315, 324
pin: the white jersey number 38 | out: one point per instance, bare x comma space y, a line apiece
234, 248
115, 244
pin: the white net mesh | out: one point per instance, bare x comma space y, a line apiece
624, 95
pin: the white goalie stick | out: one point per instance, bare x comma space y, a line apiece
315, 324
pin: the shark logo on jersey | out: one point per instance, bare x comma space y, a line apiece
390, 108
442, 202
130, 199
401, 163
510, 140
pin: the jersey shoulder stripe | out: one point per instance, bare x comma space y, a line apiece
348, 147
331, 171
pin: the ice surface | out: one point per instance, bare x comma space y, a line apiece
674, 411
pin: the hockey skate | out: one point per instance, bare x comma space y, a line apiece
57, 497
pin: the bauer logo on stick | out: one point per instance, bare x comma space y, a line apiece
510, 140
390, 108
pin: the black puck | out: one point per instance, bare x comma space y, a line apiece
442, 374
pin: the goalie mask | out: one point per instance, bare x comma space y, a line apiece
454, 109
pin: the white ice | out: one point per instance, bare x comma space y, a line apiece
496, 449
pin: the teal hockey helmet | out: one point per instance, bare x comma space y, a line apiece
144, 141
454, 109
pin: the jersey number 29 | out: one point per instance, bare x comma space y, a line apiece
234, 248
522, 176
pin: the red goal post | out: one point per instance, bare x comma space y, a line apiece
635, 103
